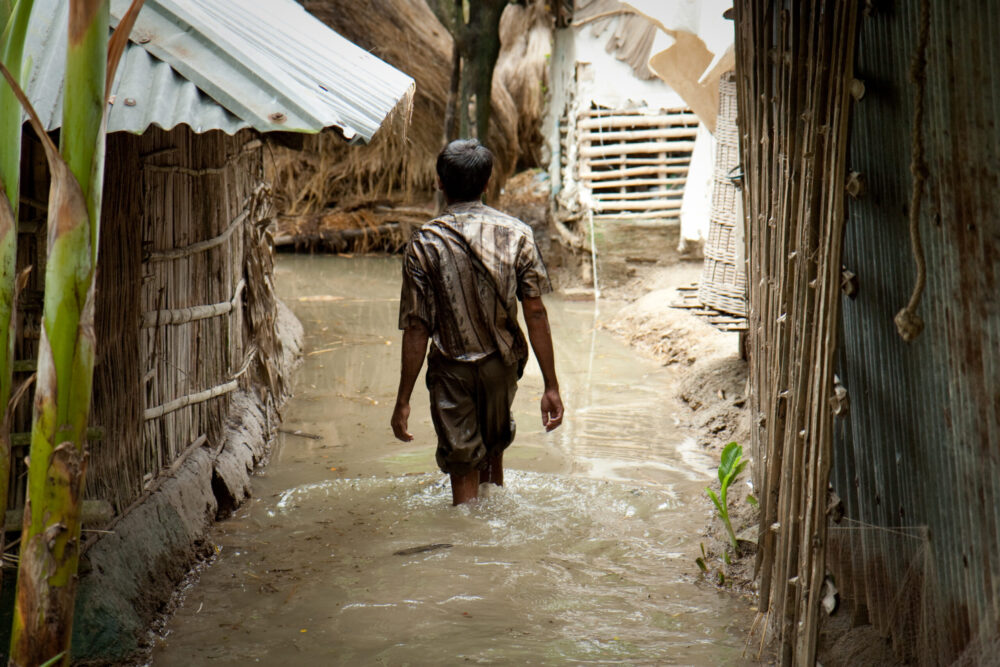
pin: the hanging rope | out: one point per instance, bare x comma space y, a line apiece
908, 323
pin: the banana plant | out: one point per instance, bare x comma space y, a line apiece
731, 465
50, 541
14, 17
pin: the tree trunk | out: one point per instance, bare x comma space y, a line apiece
478, 42
450, 133
481, 55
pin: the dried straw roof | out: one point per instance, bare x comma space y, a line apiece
398, 164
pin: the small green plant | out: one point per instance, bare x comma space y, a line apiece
730, 466
702, 562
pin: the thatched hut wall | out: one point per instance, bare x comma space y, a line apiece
200, 193
327, 173
185, 307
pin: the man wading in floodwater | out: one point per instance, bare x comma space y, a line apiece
463, 273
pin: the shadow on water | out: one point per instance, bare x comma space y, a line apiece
586, 556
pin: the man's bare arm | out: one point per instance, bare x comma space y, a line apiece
414, 351
536, 319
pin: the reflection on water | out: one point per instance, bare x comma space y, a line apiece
585, 556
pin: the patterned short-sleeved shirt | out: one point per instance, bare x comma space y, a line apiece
463, 274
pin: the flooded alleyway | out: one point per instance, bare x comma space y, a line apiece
586, 556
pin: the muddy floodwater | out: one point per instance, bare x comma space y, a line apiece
586, 556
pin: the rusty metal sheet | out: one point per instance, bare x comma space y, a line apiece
920, 444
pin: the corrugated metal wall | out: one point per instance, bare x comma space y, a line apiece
919, 448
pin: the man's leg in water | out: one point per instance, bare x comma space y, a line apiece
493, 472
464, 487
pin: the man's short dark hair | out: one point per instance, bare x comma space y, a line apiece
464, 167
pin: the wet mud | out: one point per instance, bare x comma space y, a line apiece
350, 552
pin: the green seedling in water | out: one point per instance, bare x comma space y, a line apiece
702, 562
730, 465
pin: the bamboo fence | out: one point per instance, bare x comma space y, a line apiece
794, 73
185, 311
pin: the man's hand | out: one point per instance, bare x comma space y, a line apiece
400, 419
414, 350
537, 321
552, 409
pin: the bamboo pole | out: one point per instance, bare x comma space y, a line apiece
190, 399
201, 246
793, 71
193, 313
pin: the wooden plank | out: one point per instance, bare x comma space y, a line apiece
594, 122
645, 161
649, 215
588, 174
598, 136
651, 205
634, 182
604, 113
638, 149
647, 194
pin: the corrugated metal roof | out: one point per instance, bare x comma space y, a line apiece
224, 65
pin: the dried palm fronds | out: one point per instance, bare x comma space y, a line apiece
326, 173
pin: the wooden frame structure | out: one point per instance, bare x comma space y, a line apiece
632, 163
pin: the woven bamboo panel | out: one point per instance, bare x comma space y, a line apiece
635, 164
197, 187
184, 308
723, 284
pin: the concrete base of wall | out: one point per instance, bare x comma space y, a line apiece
128, 576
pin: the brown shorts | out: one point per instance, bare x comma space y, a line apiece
470, 406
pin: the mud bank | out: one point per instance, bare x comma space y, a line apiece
712, 384
131, 572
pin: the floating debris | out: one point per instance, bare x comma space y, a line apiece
422, 549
